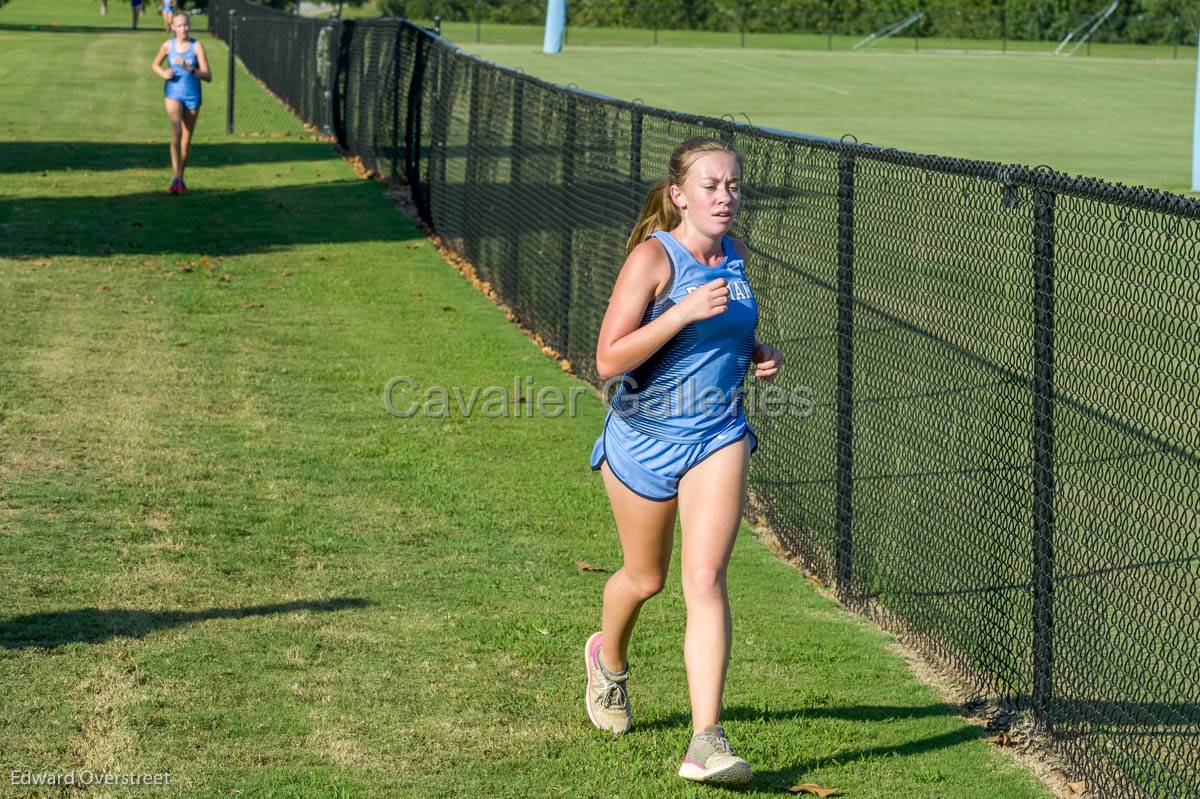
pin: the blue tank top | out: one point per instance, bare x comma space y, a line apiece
183, 84
691, 387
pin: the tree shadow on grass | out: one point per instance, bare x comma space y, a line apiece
50, 27
778, 780
94, 626
203, 221
99, 156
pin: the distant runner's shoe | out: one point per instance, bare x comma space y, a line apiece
174, 186
606, 699
710, 759
182, 186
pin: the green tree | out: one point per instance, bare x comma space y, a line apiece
340, 4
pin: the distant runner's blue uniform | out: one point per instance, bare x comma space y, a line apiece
684, 402
183, 85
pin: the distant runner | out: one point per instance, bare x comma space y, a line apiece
187, 65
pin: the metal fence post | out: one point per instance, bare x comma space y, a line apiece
471, 181
232, 73
568, 191
1043, 455
397, 46
443, 78
845, 379
635, 158
413, 124
510, 280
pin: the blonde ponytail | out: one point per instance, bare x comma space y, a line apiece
659, 212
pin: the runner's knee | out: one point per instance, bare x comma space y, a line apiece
703, 582
645, 585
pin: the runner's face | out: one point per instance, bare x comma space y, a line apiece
181, 26
712, 193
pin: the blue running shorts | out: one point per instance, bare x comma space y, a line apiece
651, 467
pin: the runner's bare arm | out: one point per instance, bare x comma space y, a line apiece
156, 64
624, 342
202, 70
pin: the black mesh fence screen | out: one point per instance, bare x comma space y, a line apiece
992, 442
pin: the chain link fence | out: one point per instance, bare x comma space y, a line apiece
1002, 458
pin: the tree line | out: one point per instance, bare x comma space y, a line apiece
1135, 21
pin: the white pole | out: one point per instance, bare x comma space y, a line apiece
1196, 128
556, 19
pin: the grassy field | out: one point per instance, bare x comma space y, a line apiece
225, 560
1121, 119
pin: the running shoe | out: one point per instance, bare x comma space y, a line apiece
174, 186
182, 186
606, 699
710, 759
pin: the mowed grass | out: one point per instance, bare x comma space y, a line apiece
1118, 118
225, 560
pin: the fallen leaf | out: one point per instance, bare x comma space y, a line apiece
584, 566
224, 278
1001, 740
253, 305
1077, 787
812, 788
1058, 775
185, 268
414, 246
416, 295
184, 344
287, 273
204, 260
447, 307
103, 288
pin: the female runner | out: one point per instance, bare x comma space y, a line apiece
187, 65
680, 331
168, 13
